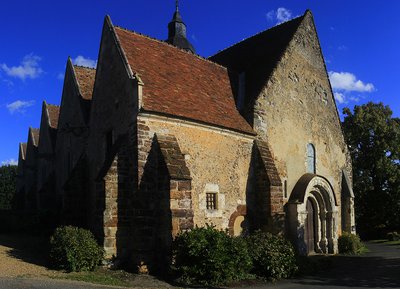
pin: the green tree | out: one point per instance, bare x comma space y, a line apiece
8, 179
373, 136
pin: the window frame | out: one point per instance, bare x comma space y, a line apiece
311, 164
212, 201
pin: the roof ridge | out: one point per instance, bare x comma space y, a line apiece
82, 66
259, 33
173, 46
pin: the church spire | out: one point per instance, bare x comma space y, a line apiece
177, 31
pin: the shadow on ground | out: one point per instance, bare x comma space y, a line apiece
366, 271
29, 249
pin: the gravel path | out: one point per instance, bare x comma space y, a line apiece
24, 264
24, 257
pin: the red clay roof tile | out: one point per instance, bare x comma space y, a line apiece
181, 84
85, 77
54, 112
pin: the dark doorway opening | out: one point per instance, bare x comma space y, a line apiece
310, 227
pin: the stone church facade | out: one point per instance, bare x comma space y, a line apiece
158, 140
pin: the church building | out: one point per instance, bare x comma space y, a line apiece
157, 140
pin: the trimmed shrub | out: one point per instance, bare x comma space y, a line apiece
393, 236
206, 256
75, 249
350, 244
273, 256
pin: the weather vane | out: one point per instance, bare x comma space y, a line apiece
177, 5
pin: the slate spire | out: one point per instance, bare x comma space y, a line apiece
177, 32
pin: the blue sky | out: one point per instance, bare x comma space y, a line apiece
359, 39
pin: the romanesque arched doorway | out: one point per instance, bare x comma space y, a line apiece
313, 216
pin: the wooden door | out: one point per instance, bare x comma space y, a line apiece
310, 227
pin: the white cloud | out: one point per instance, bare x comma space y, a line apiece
280, 15
19, 106
283, 14
60, 76
271, 15
340, 97
83, 61
346, 81
28, 68
342, 47
11, 162
355, 98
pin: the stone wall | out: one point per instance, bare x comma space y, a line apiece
30, 172
162, 206
46, 163
72, 133
270, 196
112, 148
296, 107
219, 161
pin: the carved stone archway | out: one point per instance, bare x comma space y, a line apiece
237, 221
319, 192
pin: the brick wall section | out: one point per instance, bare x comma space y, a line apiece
270, 190
114, 200
162, 206
110, 213
180, 184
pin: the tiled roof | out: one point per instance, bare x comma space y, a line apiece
85, 77
181, 84
54, 112
263, 50
35, 135
23, 149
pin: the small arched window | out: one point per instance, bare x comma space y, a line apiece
311, 159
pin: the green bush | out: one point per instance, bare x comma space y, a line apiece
206, 256
393, 236
273, 256
350, 244
75, 249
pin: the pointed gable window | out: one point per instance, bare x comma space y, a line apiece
311, 159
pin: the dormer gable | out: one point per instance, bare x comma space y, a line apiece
76, 98
48, 129
32, 148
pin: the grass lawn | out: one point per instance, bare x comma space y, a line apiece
385, 241
103, 276
393, 242
119, 278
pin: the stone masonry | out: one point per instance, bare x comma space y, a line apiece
157, 140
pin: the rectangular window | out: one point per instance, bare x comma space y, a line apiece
211, 199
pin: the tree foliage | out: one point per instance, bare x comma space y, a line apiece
8, 179
373, 136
